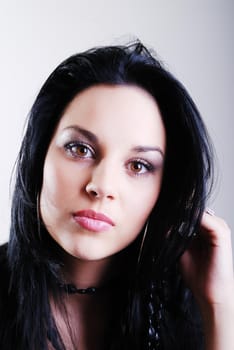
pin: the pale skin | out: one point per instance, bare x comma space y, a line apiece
207, 267
119, 174
106, 155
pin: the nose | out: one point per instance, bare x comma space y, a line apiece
102, 182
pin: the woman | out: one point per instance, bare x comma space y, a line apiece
110, 244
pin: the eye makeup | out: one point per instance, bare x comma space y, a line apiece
70, 138
80, 143
78, 149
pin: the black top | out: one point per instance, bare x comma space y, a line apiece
6, 305
187, 335
4, 273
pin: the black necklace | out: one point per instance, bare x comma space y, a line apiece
71, 289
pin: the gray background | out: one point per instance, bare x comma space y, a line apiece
194, 38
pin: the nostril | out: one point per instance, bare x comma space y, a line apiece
92, 190
94, 193
110, 197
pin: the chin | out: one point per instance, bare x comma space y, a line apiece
86, 254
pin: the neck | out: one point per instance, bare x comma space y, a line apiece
97, 273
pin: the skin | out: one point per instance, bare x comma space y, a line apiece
122, 118
117, 171
101, 175
207, 267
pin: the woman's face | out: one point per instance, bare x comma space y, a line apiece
103, 170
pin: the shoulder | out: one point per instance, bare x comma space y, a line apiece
3, 257
3, 251
4, 272
7, 303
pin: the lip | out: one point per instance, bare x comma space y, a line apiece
93, 221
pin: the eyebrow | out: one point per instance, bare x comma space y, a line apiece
93, 138
88, 134
142, 149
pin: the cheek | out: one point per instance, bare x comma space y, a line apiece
147, 196
58, 185
141, 203
53, 184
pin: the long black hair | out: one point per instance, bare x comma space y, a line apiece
159, 312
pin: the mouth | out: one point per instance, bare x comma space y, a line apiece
92, 221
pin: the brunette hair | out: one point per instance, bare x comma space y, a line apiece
158, 311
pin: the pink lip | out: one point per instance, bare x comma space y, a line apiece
92, 221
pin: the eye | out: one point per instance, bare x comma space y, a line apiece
139, 167
79, 150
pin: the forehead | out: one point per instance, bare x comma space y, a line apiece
123, 110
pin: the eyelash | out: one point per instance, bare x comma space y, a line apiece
149, 168
69, 146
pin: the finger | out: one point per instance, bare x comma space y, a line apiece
214, 227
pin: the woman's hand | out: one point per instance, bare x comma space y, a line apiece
207, 265
207, 268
